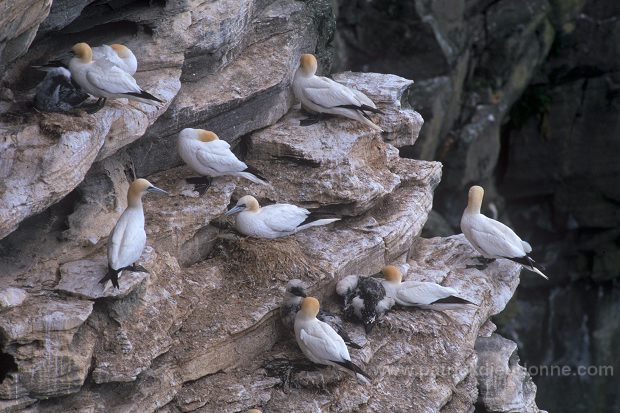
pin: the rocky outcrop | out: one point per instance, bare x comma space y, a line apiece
200, 330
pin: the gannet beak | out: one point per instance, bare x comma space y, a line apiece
156, 189
234, 210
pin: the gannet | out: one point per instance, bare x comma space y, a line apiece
128, 239
319, 342
207, 155
364, 299
491, 238
254, 411
426, 295
293, 297
56, 92
319, 94
117, 54
273, 221
103, 79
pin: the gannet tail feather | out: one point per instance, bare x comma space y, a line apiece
145, 96
349, 365
528, 263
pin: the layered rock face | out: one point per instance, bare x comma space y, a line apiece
200, 331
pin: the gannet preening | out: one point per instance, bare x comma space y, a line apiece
293, 297
319, 342
207, 155
364, 299
273, 221
117, 54
128, 239
491, 238
56, 92
426, 295
104, 80
319, 94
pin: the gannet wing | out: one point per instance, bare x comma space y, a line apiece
112, 79
329, 94
496, 239
283, 217
414, 292
219, 158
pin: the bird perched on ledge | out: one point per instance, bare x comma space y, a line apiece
117, 54
104, 80
426, 295
56, 92
491, 238
364, 299
294, 296
128, 238
273, 221
208, 155
320, 343
319, 94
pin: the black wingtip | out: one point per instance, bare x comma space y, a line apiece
349, 365
255, 172
145, 95
363, 108
452, 300
353, 344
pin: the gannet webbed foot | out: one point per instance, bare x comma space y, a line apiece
201, 183
484, 260
314, 118
96, 107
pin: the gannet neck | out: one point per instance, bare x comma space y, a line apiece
83, 52
392, 274
474, 199
307, 64
310, 307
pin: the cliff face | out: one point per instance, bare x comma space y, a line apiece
200, 331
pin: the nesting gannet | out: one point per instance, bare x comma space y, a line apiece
319, 94
319, 342
293, 297
56, 92
273, 221
103, 79
364, 299
425, 295
491, 238
117, 54
206, 154
128, 239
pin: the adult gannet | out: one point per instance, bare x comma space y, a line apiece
103, 79
206, 154
426, 295
491, 238
319, 94
128, 239
56, 92
117, 54
293, 297
319, 342
273, 221
364, 299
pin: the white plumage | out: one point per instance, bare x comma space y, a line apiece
491, 238
210, 156
272, 221
319, 342
319, 94
118, 55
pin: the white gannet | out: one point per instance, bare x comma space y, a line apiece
128, 238
364, 299
293, 297
104, 80
319, 342
207, 155
491, 238
273, 221
117, 54
56, 92
254, 411
319, 94
426, 295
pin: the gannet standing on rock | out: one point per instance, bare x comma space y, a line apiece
293, 297
56, 92
426, 295
207, 155
319, 342
364, 299
128, 238
104, 80
319, 94
273, 221
491, 238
